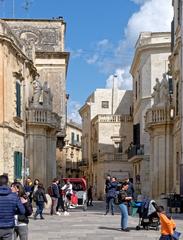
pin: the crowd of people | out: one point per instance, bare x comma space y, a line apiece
16, 201
124, 194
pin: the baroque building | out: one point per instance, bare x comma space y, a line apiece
106, 135
38, 67
149, 63
70, 157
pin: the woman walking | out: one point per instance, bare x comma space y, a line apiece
40, 199
123, 206
21, 221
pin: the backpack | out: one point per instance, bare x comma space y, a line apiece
50, 190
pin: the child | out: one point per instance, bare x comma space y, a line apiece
167, 224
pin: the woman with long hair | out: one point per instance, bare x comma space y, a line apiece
21, 221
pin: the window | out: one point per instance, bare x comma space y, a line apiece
177, 99
72, 137
105, 104
18, 99
136, 134
77, 137
179, 11
118, 147
136, 90
17, 165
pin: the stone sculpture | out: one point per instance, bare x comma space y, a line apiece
47, 96
37, 89
156, 93
164, 90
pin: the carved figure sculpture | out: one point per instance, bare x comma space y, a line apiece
164, 90
37, 88
156, 93
47, 96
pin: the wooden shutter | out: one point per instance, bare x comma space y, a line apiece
18, 100
18, 165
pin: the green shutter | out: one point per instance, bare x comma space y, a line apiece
18, 100
18, 165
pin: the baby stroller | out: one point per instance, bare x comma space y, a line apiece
148, 217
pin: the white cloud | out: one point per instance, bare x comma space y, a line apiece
153, 16
73, 108
122, 79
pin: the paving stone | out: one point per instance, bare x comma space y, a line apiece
91, 225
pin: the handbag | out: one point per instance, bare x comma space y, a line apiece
176, 235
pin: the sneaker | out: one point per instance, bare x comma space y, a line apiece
66, 213
57, 213
125, 229
71, 206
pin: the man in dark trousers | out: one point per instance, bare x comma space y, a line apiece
10, 205
90, 196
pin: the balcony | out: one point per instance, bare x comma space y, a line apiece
82, 163
111, 157
158, 116
108, 118
135, 150
94, 157
43, 117
76, 143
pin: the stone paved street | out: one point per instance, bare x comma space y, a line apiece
90, 225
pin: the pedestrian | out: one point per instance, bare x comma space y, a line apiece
9, 205
123, 200
34, 188
167, 224
67, 188
130, 192
40, 199
90, 196
21, 220
54, 196
60, 203
107, 181
111, 195
28, 188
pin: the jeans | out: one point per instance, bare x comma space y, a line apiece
110, 204
124, 215
40, 207
53, 205
6, 233
21, 232
164, 237
60, 204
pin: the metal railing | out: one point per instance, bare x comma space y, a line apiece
134, 150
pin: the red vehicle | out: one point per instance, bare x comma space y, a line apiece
79, 196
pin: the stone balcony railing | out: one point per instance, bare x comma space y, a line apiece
43, 117
121, 157
159, 115
108, 118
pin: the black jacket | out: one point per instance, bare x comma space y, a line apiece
28, 211
40, 196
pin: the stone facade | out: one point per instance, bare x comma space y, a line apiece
33, 101
70, 157
107, 132
149, 64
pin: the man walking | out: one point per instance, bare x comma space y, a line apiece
54, 196
10, 205
110, 195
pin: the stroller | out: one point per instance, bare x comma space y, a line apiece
148, 217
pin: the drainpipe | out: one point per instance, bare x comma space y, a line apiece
181, 103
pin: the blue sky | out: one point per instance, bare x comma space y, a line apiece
100, 36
